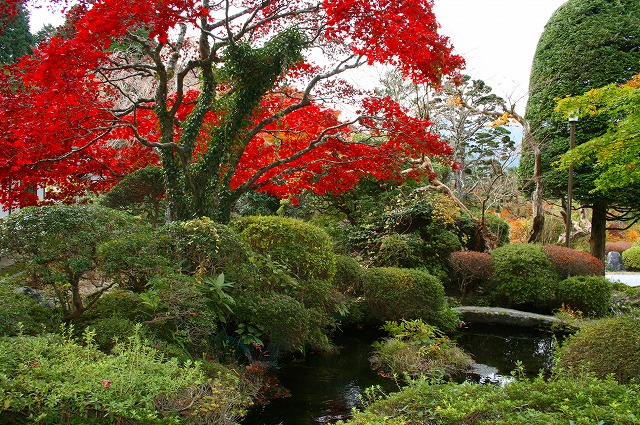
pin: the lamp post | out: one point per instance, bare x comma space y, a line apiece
572, 141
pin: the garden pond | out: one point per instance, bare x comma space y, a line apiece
325, 388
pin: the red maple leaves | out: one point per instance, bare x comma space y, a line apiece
86, 109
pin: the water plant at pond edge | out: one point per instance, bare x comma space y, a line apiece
416, 349
558, 400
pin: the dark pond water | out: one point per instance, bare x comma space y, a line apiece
324, 388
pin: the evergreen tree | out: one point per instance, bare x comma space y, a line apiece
15, 38
586, 44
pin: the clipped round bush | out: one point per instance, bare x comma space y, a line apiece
349, 275
572, 262
395, 294
205, 246
631, 258
471, 270
619, 246
398, 250
306, 250
285, 321
589, 294
140, 193
523, 277
607, 346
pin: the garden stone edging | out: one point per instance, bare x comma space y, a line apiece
509, 317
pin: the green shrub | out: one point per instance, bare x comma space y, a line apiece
21, 314
557, 401
58, 380
110, 330
606, 346
132, 260
306, 250
471, 270
398, 250
188, 311
572, 262
118, 303
285, 321
139, 193
589, 294
523, 276
206, 247
58, 245
631, 258
416, 349
395, 294
349, 275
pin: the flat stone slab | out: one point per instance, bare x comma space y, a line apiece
507, 316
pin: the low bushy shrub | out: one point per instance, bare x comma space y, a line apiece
560, 400
395, 294
472, 270
55, 379
398, 250
132, 260
589, 294
206, 247
572, 262
416, 349
619, 246
306, 250
21, 314
523, 277
604, 347
285, 321
631, 258
349, 275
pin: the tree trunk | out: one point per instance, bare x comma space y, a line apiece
598, 230
538, 193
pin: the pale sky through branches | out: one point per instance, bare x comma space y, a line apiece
497, 38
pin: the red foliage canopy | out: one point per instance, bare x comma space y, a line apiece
126, 83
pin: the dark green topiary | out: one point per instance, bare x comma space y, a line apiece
607, 346
523, 277
286, 321
395, 294
589, 294
349, 275
305, 249
208, 247
631, 258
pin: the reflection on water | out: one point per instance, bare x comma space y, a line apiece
325, 388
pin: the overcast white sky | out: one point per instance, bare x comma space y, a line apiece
497, 38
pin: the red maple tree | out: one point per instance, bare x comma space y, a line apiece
224, 95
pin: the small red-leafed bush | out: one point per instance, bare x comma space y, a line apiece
571, 262
619, 246
471, 270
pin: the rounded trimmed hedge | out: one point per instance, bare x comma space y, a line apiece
631, 258
395, 294
349, 275
572, 262
306, 250
589, 294
523, 276
604, 347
